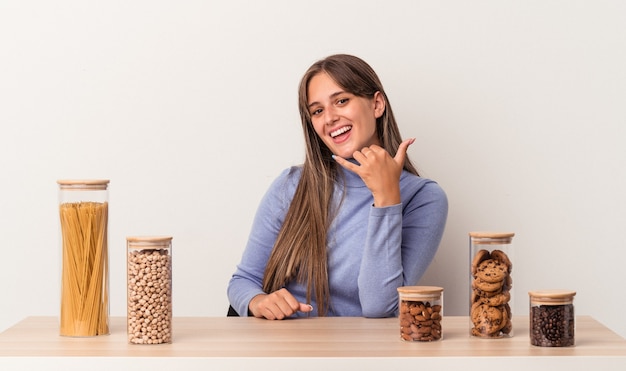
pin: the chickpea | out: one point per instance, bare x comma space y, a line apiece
149, 296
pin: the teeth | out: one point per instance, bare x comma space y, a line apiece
340, 131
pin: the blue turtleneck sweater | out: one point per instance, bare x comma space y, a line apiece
371, 251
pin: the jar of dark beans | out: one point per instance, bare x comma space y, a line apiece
420, 313
552, 321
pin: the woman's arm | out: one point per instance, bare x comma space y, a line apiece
245, 291
404, 228
401, 242
247, 280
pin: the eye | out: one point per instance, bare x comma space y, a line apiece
342, 101
316, 112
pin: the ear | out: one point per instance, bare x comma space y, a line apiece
379, 104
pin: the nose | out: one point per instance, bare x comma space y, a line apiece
330, 116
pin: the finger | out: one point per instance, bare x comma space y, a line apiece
275, 306
345, 163
287, 307
371, 152
360, 158
268, 313
401, 154
306, 308
289, 304
278, 310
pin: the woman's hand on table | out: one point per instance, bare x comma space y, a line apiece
277, 305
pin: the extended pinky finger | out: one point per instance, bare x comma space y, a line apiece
345, 163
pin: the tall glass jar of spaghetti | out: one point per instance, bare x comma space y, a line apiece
83, 212
149, 289
491, 284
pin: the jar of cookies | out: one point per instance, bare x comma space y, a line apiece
421, 312
552, 321
149, 290
83, 213
491, 284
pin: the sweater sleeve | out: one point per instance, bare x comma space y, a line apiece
400, 244
247, 281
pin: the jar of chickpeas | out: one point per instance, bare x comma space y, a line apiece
149, 293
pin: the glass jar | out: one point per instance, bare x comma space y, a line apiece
552, 321
83, 213
491, 285
420, 313
149, 290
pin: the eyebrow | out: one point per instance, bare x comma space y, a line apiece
333, 95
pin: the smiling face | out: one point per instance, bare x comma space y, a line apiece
345, 122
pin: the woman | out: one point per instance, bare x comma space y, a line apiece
339, 234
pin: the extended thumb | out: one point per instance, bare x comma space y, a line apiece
401, 154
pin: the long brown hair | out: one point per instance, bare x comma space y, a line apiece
300, 249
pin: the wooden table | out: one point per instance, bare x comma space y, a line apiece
225, 343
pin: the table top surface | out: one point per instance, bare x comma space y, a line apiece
303, 337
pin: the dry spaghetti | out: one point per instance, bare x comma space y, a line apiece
84, 285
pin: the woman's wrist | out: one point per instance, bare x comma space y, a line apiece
252, 305
387, 199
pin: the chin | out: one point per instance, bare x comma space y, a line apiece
344, 154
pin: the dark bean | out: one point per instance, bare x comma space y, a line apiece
552, 325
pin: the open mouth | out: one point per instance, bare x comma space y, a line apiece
341, 130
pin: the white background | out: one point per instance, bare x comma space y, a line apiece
190, 109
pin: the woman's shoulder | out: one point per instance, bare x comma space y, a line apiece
281, 189
413, 184
291, 174
410, 178
287, 179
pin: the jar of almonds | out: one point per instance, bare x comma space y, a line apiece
491, 284
149, 296
552, 321
421, 312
